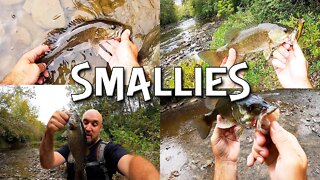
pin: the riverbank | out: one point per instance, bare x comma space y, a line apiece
24, 163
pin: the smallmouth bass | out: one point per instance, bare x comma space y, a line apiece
263, 37
78, 145
251, 112
85, 34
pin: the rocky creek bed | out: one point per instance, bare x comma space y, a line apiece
182, 41
25, 164
184, 155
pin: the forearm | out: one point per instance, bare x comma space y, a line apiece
142, 169
8, 80
225, 170
46, 151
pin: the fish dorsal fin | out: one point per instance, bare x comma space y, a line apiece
76, 22
53, 35
231, 34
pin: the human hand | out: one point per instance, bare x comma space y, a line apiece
281, 152
57, 121
121, 54
228, 62
225, 144
26, 71
291, 66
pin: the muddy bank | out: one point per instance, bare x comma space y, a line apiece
181, 41
25, 164
184, 155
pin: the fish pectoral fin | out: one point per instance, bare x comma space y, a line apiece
240, 58
204, 124
231, 34
267, 53
210, 56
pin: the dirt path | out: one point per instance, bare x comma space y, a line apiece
25, 164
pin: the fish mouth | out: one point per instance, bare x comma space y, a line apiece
264, 119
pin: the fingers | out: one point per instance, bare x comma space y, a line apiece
40, 80
231, 58
297, 51
250, 160
35, 53
217, 130
46, 73
278, 65
42, 67
282, 139
281, 54
126, 35
259, 150
107, 49
223, 63
58, 120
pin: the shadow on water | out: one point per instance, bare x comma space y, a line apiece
25, 23
183, 154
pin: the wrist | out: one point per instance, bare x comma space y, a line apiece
226, 170
8, 79
49, 133
225, 162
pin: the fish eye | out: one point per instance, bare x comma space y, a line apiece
285, 30
113, 27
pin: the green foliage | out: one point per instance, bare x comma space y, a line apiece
185, 11
260, 74
239, 20
309, 42
17, 116
224, 7
286, 13
187, 67
277, 10
167, 12
203, 9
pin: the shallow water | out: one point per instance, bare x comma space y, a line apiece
25, 23
182, 41
184, 155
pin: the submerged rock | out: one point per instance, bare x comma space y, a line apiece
22, 35
48, 14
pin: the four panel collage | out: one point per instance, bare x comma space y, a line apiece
159, 89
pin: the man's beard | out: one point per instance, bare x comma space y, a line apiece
92, 142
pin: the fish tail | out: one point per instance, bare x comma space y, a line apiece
213, 57
80, 175
204, 123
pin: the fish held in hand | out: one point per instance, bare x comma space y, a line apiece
80, 35
78, 145
263, 37
251, 112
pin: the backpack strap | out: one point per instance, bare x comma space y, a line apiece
100, 159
